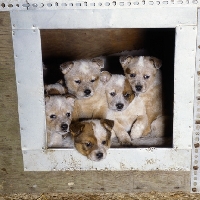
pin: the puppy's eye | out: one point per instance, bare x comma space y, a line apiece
88, 144
93, 80
126, 95
68, 114
146, 76
112, 94
132, 75
103, 142
52, 116
78, 81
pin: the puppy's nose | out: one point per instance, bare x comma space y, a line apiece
64, 126
119, 106
87, 91
138, 88
99, 155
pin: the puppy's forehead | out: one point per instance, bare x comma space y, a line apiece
99, 131
88, 132
116, 81
86, 67
59, 103
88, 128
140, 61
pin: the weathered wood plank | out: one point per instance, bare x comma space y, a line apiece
14, 180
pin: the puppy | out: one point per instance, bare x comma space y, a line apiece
125, 109
92, 137
58, 116
83, 80
145, 78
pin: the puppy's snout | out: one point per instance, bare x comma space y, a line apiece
99, 155
138, 88
87, 92
119, 106
64, 126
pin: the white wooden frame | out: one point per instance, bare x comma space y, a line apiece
26, 25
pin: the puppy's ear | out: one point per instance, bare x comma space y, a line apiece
107, 124
156, 62
99, 62
61, 82
105, 76
125, 60
76, 128
66, 67
71, 98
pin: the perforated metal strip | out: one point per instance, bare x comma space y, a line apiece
195, 170
94, 4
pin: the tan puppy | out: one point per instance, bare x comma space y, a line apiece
125, 109
145, 78
58, 116
92, 137
83, 79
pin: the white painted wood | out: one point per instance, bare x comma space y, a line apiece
184, 72
151, 18
144, 159
93, 4
29, 80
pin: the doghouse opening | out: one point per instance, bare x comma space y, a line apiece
59, 46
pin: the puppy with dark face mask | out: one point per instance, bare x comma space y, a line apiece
92, 137
144, 75
125, 109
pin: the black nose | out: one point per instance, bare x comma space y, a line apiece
87, 92
64, 126
138, 87
99, 155
119, 106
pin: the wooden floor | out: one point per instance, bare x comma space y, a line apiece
14, 180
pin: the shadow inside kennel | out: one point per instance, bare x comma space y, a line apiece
59, 46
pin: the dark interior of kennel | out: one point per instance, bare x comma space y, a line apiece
59, 46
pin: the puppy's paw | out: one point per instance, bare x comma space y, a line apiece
125, 141
135, 134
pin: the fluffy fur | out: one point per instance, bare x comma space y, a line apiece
125, 109
83, 79
92, 137
58, 116
145, 78
56, 89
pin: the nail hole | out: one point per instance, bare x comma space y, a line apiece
26, 5
3, 5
